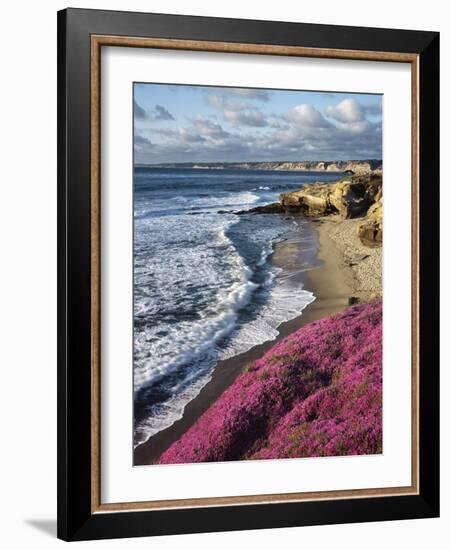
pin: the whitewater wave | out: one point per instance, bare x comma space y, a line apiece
204, 288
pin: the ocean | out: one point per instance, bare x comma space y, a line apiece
204, 285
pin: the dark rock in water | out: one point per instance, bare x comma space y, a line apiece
272, 208
355, 195
226, 212
353, 300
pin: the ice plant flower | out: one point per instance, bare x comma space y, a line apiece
317, 392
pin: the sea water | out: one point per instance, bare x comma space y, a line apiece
204, 286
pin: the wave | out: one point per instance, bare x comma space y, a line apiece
192, 337
266, 252
166, 361
181, 204
230, 199
284, 304
204, 290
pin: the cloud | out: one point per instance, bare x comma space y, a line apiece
138, 111
245, 117
141, 143
357, 127
374, 109
200, 130
307, 116
348, 110
202, 138
340, 131
215, 101
248, 93
160, 113
239, 113
209, 128
141, 140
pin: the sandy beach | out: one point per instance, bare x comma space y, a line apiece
360, 265
347, 272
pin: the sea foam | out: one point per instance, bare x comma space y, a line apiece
204, 289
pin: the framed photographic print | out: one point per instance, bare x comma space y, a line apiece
248, 274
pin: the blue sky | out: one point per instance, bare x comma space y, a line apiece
180, 123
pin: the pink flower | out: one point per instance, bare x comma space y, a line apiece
317, 392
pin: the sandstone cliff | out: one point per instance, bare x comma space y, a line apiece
370, 231
353, 196
355, 166
350, 197
358, 167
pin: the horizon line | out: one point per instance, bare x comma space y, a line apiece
256, 161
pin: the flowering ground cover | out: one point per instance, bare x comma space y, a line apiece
318, 392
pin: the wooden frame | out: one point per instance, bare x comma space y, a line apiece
81, 514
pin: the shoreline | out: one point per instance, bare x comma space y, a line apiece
333, 283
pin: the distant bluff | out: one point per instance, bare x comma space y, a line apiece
354, 166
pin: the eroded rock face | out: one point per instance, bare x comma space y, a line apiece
311, 200
370, 231
351, 197
354, 196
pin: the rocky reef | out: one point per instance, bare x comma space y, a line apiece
318, 392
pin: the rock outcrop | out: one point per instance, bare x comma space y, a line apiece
351, 197
271, 208
370, 231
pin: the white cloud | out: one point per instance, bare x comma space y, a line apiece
215, 101
249, 93
357, 127
348, 110
303, 133
307, 115
245, 117
242, 113
207, 128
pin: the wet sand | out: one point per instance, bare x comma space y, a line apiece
333, 283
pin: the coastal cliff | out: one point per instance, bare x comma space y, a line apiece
354, 166
373, 166
318, 392
350, 197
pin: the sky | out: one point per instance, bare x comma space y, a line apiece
181, 123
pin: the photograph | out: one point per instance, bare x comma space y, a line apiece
248, 273
257, 273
